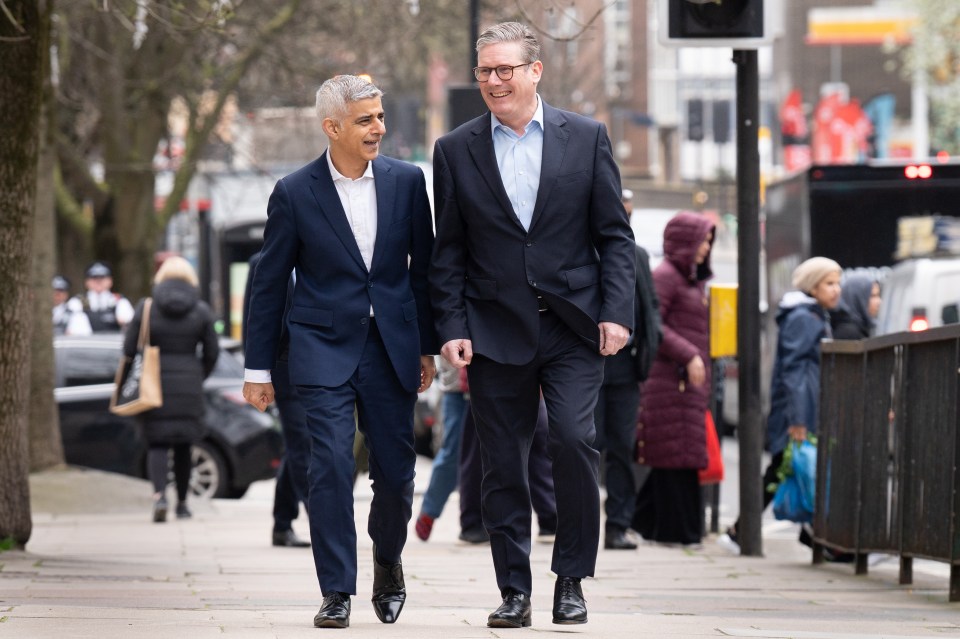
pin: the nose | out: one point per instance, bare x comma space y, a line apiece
381, 127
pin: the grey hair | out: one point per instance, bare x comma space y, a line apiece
334, 95
512, 32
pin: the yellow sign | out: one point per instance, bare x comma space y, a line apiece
723, 320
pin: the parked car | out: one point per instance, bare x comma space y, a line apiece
242, 445
920, 293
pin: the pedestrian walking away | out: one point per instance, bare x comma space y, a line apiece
532, 283
355, 228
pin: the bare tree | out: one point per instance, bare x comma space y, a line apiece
24, 33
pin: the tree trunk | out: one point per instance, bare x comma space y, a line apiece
46, 446
24, 39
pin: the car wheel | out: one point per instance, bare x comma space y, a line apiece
210, 477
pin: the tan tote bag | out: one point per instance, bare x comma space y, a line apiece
137, 383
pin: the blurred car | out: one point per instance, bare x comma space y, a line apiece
920, 293
242, 445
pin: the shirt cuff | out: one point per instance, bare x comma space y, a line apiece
256, 376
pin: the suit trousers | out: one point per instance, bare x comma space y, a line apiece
292, 487
384, 414
505, 401
542, 496
616, 417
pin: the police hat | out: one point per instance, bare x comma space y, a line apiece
98, 269
60, 283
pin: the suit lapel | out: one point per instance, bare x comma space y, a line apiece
328, 199
386, 184
555, 136
481, 149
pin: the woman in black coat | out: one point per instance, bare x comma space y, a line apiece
179, 323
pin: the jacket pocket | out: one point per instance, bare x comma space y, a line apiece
583, 276
409, 310
313, 316
481, 289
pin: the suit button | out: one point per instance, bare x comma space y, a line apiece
370, 284
533, 282
364, 320
529, 243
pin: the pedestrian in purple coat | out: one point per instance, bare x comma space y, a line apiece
671, 437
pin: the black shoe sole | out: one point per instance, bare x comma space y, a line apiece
568, 622
331, 623
506, 623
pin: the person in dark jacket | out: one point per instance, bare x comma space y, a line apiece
616, 410
802, 321
179, 323
671, 432
856, 314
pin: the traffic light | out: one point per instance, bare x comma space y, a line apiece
739, 24
695, 120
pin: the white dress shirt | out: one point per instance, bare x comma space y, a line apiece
359, 200
519, 158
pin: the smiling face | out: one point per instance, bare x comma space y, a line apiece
513, 101
355, 138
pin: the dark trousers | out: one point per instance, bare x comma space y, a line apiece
616, 418
542, 496
158, 468
384, 412
292, 487
504, 402
670, 506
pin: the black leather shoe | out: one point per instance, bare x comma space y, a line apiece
569, 606
334, 612
514, 612
389, 591
475, 536
289, 539
617, 540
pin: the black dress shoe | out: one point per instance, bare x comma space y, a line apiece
389, 591
289, 539
334, 612
514, 612
475, 536
618, 540
569, 606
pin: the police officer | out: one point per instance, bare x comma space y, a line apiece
106, 310
68, 315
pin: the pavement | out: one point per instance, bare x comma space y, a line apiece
96, 566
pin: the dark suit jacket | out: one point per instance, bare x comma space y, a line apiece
487, 270
328, 321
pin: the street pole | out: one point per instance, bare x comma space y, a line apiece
474, 34
748, 301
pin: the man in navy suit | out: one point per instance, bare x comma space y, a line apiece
532, 281
356, 229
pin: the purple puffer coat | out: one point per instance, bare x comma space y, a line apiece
670, 428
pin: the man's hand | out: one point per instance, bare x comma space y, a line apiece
428, 370
797, 432
258, 395
459, 352
613, 337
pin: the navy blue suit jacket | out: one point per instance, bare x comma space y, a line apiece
487, 271
328, 321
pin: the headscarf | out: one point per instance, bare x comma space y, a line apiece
855, 299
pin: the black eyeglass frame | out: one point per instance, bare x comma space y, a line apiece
500, 71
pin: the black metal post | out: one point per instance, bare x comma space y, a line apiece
748, 301
474, 34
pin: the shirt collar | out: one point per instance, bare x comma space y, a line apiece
537, 117
337, 176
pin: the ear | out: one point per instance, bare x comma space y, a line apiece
331, 127
537, 70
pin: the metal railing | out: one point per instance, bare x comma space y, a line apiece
888, 465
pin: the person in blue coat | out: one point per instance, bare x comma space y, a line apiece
802, 321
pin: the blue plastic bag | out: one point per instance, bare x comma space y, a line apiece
794, 498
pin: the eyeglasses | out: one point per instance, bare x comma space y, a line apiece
504, 72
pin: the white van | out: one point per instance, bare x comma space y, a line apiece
920, 293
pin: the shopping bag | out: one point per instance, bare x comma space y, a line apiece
137, 382
794, 498
713, 473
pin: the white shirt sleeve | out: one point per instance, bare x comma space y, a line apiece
78, 324
256, 376
124, 311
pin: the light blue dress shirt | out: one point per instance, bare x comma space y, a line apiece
519, 159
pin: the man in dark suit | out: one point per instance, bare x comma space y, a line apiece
532, 282
357, 230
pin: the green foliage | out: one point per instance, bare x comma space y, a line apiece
8, 543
